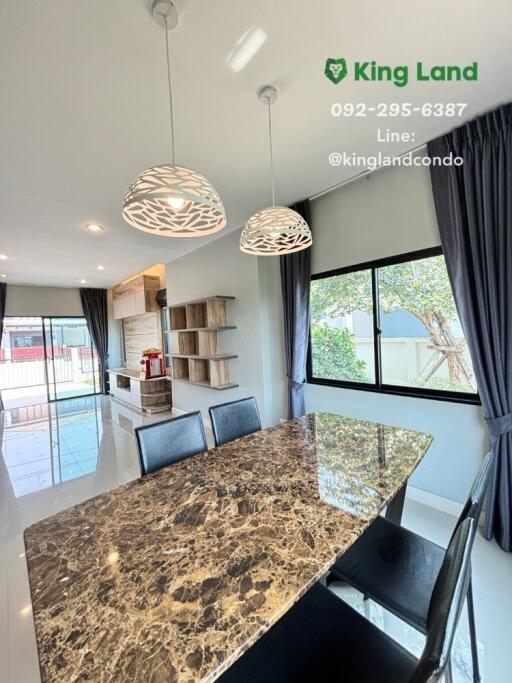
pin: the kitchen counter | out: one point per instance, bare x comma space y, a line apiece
173, 576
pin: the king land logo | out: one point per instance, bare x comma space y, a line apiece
335, 69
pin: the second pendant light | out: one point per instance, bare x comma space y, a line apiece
275, 230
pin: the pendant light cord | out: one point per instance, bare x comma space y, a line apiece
271, 154
168, 55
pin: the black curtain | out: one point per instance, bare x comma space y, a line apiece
474, 211
3, 295
94, 303
295, 283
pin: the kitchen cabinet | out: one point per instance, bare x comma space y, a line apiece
135, 297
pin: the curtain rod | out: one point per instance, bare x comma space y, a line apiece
365, 173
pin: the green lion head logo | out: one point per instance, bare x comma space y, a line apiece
335, 69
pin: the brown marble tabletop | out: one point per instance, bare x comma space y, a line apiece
173, 576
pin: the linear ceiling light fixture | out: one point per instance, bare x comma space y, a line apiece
276, 230
171, 200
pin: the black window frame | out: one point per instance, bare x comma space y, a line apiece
378, 386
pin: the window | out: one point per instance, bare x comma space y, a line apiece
390, 326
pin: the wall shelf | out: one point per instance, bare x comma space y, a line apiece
197, 360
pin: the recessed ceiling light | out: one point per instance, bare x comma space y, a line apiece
3, 275
100, 267
94, 227
3, 257
83, 282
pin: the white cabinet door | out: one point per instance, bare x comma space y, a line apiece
129, 309
118, 309
139, 302
125, 306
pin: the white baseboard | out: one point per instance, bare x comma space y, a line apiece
432, 500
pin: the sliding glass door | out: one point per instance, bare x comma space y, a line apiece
22, 362
71, 361
46, 359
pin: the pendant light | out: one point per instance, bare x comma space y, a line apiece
172, 200
277, 229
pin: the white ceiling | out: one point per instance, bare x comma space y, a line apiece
83, 108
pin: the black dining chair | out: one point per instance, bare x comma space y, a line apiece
164, 443
234, 419
321, 638
398, 569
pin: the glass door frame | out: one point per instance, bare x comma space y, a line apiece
52, 395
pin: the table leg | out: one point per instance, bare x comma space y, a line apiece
395, 508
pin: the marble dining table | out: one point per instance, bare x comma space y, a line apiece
173, 576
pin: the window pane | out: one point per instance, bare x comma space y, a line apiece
422, 343
342, 327
74, 369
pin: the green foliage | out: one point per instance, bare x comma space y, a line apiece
420, 287
333, 297
334, 356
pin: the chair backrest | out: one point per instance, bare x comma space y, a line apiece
475, 501
234, 419
446, 603
167, 442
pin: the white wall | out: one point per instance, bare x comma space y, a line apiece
393, 213
275, 385
221, 268
390, 213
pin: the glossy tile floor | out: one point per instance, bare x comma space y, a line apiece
54, 456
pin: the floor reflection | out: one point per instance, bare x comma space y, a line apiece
47, 444
53, 456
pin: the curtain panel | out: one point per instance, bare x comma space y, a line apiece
295, 285
474, 211
94, 303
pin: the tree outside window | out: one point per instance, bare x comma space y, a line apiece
421, 341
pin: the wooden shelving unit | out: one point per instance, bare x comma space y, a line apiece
197, 324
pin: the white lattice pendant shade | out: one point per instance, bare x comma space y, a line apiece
174, 201
275, 230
